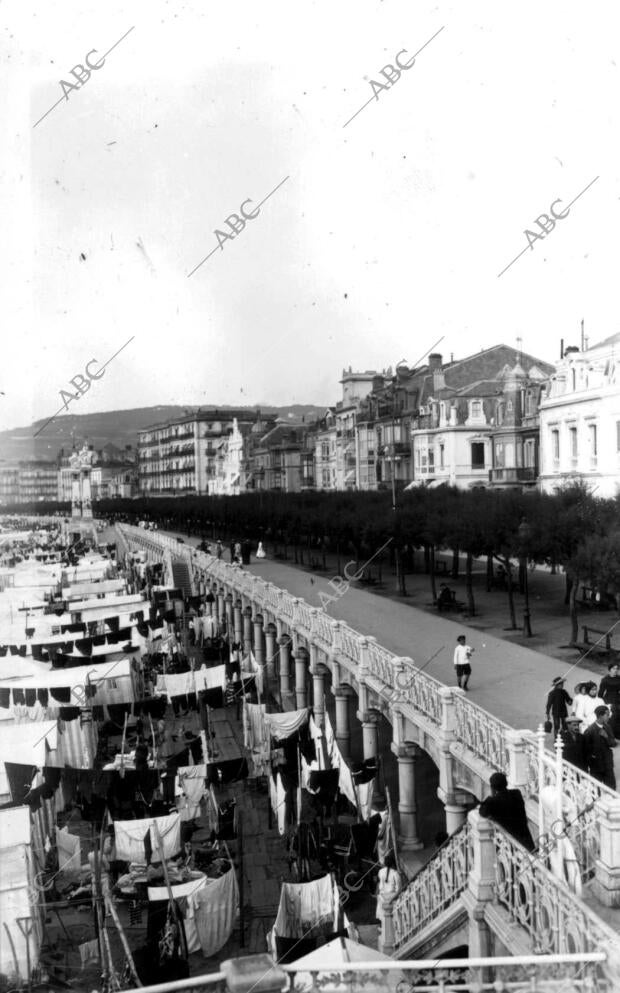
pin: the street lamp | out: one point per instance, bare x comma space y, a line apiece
524, 531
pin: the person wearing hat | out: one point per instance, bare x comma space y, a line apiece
572, 740
558, 702
598, 742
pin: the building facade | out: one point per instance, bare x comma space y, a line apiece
580, 420
28, 481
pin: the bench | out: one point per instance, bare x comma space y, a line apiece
588, 630
452, 604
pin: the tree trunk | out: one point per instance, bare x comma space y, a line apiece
522, 568
489, 573
432, 566
553, 567
511, 599
455, 563
568, 590
471, 606
301, 553
427, 558
323, 553
338, 567
574, 619
380, 577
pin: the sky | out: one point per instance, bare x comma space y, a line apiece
382, 236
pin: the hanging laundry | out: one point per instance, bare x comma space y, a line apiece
69, 853
215, 910
89, 952
282, 726
130, 838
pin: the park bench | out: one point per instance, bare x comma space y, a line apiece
452, 604
588, 630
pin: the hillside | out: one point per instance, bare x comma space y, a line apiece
120, 427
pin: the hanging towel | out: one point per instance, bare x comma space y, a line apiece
281, 802
89, 952
345, 779
284, 725
215, 912
69, 854
365, 793
207, 679
130, 835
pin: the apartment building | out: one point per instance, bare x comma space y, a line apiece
580, 420
28, 481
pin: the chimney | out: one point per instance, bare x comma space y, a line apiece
434, 362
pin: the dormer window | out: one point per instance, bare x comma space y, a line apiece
475, 409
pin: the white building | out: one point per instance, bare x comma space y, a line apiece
229, 477
580, 420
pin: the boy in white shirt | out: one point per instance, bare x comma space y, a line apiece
462, 655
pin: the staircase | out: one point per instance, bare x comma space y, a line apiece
485, 890
181, 577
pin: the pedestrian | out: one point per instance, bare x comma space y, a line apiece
609, 692
444, 600
507, 808
260, 551
574, 746
598, 742
593, 700
219, 549
462, 655
580, 704
388, 887
558, 702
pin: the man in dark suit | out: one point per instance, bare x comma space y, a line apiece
574, 748
598, 743
507, 808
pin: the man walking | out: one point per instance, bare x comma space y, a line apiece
462, 654
507, 808
572, 740
598, 742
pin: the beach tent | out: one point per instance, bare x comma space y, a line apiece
19, 946
333, 957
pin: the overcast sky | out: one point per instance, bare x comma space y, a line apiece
388, 233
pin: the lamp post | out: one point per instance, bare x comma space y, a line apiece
400, 576
524, 532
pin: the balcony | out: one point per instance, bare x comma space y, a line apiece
514, 474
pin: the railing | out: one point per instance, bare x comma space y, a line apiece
555, 919
381, 663
580, 791
422, 693
517, 974
322, 630
350, 644
481, 733
435, 888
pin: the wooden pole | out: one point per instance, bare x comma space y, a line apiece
393, 830
171, 899
122, 768
241, 880
110, 906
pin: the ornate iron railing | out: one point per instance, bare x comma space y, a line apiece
422, 692
555, 919
435, 888
323, 630
350, 643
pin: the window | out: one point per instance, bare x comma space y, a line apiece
499, 454
475, 409
509, 407
431, 459
477, 454
574, 379
555, 444
441, 456
572, 440
593, 441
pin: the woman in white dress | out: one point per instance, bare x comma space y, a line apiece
260, 551
388, 887
592, 701
580, 703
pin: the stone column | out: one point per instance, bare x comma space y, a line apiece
407, 809
481, 885
318, 687
247, 631
301, 670
270, 650
228, 605
343, 729
607, 867
286, 693
220, 607
370, 735
238, 621
456, 814
259, 644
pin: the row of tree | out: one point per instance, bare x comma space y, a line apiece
571, 529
